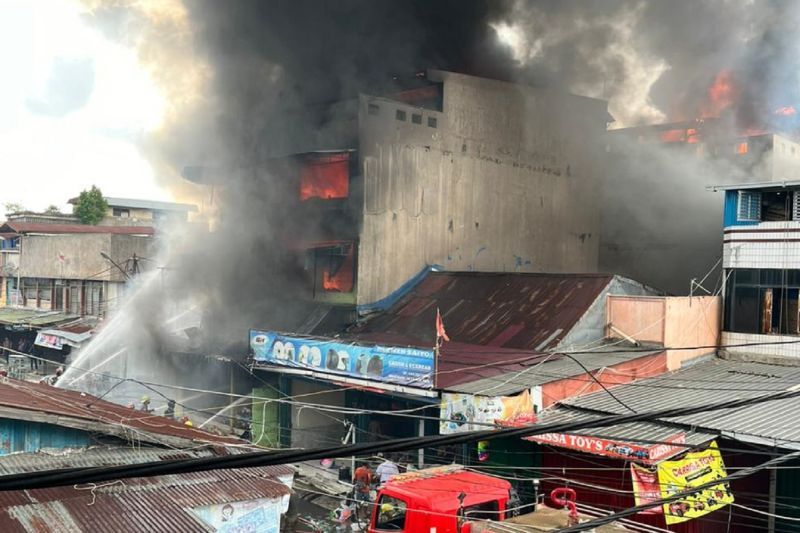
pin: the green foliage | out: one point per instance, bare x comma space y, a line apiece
12, 207
52, 210
91, 206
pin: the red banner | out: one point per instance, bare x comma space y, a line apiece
599, 446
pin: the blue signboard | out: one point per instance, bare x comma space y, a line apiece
393, 364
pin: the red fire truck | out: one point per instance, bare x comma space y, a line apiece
438, 500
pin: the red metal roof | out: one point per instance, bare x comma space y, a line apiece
509, 310
43, 403
38, 227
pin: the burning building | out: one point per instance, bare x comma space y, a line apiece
658, 224
457, 172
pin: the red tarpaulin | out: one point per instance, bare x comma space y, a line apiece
325, 176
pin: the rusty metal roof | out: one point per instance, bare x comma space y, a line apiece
37, 402
509, 310
159, 504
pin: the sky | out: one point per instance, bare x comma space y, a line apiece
72, 107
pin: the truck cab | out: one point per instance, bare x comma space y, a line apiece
438, 500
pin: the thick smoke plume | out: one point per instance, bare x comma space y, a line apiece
250, 80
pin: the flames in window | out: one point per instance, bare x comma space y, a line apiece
337, 275
325, 176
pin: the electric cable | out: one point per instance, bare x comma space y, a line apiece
89, 475
682, 494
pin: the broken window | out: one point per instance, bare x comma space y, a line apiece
325, 176
763, 301
334, 267
776, 206
400, 115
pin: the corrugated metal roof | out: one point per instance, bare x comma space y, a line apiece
159, 504
46, 228
22, 400
715, 381
149, 204
33, 317
634, 432
555, 369
510, 310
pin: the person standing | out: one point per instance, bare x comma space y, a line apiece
386, 470
362, 483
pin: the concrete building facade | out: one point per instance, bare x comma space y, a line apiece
462, 173
761, 261
502, 178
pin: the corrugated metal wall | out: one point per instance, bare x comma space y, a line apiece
19, 436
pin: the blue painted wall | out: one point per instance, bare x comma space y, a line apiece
20, 436
729, 216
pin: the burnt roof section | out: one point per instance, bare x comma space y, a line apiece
37, 402
504, 310
12, 227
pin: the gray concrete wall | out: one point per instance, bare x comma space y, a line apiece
505, 182
77, 256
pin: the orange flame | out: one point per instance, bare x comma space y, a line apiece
721, 95
786, 111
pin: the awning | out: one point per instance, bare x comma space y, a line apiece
646, 443
72, 333
32, 318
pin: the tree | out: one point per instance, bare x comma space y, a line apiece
52, 210
12, 207
91, 207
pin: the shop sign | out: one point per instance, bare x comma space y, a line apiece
695, 469
468, 412
393, 364
616, 449
49, 341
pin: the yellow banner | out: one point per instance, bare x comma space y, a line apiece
695, 469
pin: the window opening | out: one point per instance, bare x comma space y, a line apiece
749, 206
391, 515
325, 176
775, 206
416, 119
400, 115
483, 511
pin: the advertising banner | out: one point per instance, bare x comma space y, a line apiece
253, 516
646, 488
695, 469
616, 449
392, 364
49, 341
468, 412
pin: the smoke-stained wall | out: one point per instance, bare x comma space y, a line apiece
506, 181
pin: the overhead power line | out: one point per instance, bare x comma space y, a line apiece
597, 522
71, 476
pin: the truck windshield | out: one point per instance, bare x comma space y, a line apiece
483, 511
391, 514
